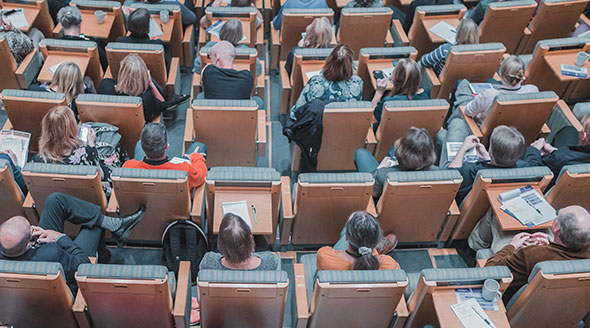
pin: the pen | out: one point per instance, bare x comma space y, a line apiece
9, 12
533, 206
482, 317
254, 213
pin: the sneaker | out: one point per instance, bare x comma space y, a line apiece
128, 222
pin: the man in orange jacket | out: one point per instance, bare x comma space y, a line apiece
154, 144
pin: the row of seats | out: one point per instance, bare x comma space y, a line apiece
143, 295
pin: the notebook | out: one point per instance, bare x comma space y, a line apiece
445, 30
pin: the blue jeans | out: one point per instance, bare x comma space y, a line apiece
140, 154
457, 131
366, 162
258, 101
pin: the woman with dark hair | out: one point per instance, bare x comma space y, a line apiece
358, 247
414, 151
335, 82
138, 25
406, 86
236, 249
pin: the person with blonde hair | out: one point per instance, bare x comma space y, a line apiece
467, 33
134, 79
318, 34
406, 86
68, 80
511, 76
59, 143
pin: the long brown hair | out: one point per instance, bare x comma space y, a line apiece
338, 66
133, 78
68, 80
59, 134
406, 78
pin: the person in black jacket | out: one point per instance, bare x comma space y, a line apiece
20, 241
569, 147
138, 25
71, 20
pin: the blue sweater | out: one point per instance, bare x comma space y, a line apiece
303, 4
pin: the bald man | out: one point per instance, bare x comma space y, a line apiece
222, 81
569, 147
20, 241
571, 240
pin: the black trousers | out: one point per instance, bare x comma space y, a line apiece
567, 136
60, 208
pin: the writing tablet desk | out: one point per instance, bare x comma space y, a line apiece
506, 221
377, 65
567, 57
444, 298
30, 12
310, 67
166, 28
55, 58
262, 201
426, 41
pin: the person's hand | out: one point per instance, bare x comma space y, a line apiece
382, 84
196, 151
6, 24
520, 240
547, 149
48, 236
91, 137
482, 152
539, 143
11, 154
36, 232
539, 238
470, 142
386, 162
126, 10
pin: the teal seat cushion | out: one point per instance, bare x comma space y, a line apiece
148, 174
33, 94
354, 177
224, 103
414, 176
243, 173
236, 276
109, 99
30, 267
60, 169
465, 275
118, 271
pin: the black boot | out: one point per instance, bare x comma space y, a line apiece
128, 222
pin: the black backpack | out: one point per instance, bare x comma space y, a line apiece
184, 240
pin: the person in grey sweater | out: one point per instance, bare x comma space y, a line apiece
236, 249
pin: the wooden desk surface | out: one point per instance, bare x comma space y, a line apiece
166, 28
311, 67
92, 28
554, 60
431, 21
262, 201
375, 66
81, 60
507, 222
30, 14
444, 298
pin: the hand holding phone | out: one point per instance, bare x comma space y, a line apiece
378, 75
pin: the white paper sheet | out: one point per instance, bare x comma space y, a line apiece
472, 315
17, 142
215, 29
445, 30
18, 19
464, 294
527, 205
155, 30
239, 208
54, 68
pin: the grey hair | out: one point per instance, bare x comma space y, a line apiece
154, 140
69, 16
570, 233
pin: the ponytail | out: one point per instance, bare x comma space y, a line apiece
366, 260
363, 233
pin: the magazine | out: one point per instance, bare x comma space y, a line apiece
17, 142
527, 206
453, 149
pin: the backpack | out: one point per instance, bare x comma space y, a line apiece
184, 240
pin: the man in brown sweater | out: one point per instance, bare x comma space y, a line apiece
571, 232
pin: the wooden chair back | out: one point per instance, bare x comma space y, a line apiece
111, 8
426, 17
70, 49
571, 188
246, 15
12, 199
295, 21
355, 22
505, 22
152, 55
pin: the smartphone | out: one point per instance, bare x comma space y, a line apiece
83, 132
378, 75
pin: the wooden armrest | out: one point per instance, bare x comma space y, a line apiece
182, 293
173, 82
301, 295
285, 88
187, 46
584, 20
450, 222
79, 309
334, 41
524, 40
401, 313
399, 36
92, 259
197, 209
259, 42
287, 209
275, 47
545, 130
471, 123
29, 209
261, 139
196, 85
108, 73
432, 78
57, 31
567, 112
30, 59
481, 262
113, 205
389, 39
370, 141
202, 37
189, 132
7, 125
371, 207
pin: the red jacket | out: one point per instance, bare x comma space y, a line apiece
197, 169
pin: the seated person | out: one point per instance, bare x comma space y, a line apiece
505, 151
138, 25
134, 80
236, 249
68, 80
19, 44
318, 34
221, 81
152, 155
277, 22
511, 75
59, 143
571, 238
16, 171
232, 32
569, 147
358, 247
414, 151
70, 19
335, 82
364, 4
187, 16
466, 34
21, 241
406, 86
479, 11
233, 3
